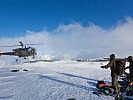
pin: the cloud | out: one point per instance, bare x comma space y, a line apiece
77, 41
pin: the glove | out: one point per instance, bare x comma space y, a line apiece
102, 66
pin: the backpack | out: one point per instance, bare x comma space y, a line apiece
120, 66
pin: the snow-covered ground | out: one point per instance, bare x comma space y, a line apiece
58, 80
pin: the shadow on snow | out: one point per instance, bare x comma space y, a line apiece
70, 75
6, 97
67, 83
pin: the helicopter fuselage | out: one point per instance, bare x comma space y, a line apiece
21, 52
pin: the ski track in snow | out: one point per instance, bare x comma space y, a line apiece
53, 81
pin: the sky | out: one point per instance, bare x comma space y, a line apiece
69, 28
18, 16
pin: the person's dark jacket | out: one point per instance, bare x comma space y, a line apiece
131, 70
112, 66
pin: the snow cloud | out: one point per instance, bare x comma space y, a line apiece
77, 41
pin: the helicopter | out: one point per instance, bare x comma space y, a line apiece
22, 52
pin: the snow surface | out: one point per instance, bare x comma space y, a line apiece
58, 80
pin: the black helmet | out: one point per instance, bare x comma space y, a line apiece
112, 56
130, 58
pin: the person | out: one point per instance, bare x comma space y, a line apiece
130, 59
114, 75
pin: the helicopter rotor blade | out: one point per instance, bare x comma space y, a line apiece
21, 45
10, 46
35, 44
